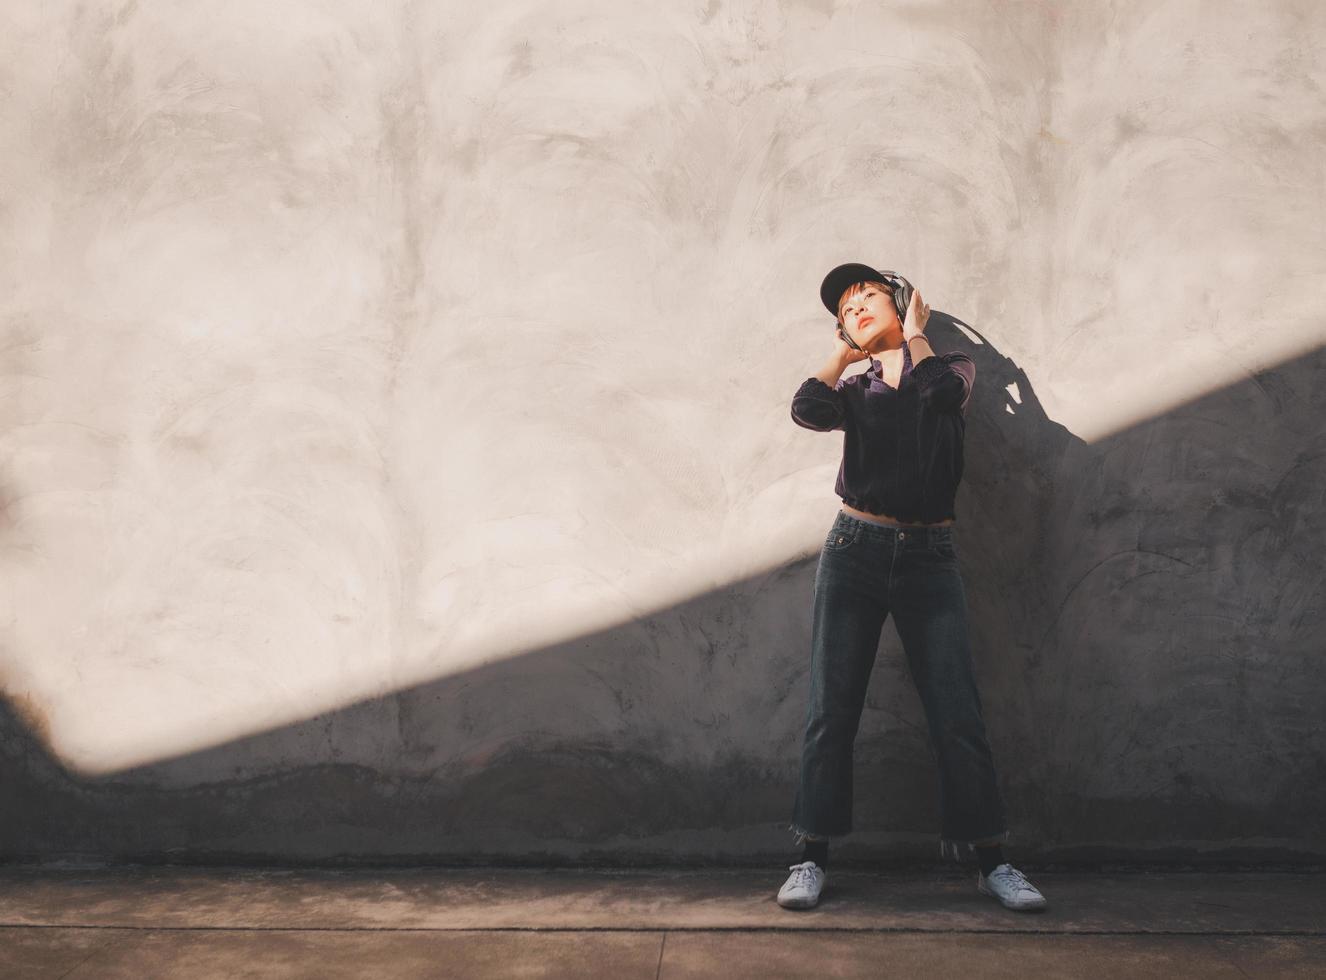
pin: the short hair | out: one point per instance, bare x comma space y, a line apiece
852, 289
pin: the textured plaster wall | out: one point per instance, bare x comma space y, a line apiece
395, 455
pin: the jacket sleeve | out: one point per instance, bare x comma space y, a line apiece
946, 380
819, 407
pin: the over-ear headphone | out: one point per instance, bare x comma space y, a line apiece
902, 298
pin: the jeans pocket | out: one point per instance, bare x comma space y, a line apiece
944, 548
841, 537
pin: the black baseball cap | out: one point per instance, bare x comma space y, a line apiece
844, 275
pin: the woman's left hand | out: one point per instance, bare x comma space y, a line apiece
918, 314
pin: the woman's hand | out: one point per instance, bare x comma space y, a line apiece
918, 314
844, 351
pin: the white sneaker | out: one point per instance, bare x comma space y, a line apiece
1011, 887
803, 886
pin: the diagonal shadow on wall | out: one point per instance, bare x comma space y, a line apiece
1147, 619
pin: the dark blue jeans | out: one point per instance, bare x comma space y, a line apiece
865, 572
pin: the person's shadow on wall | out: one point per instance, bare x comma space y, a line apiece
1146, 619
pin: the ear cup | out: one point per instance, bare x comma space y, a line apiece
902, 298
852, 343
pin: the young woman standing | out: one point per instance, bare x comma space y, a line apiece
891, 550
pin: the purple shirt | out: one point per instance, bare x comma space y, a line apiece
902, 447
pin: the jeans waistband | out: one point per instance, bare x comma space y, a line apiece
942, 532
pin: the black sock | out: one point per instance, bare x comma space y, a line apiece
817, 851
990, 858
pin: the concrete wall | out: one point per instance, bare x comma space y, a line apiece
396, 456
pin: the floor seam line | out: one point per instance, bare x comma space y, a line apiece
796, 930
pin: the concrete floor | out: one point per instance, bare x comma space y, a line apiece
216, 922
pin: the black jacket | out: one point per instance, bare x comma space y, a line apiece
902, 448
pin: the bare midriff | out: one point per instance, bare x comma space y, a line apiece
887, 519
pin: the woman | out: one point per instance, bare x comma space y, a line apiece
891, 550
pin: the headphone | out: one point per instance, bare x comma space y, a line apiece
902, 298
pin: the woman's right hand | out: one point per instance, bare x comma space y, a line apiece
844, 351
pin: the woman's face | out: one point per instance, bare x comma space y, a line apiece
868, 315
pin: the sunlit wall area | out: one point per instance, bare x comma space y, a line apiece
395, 412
